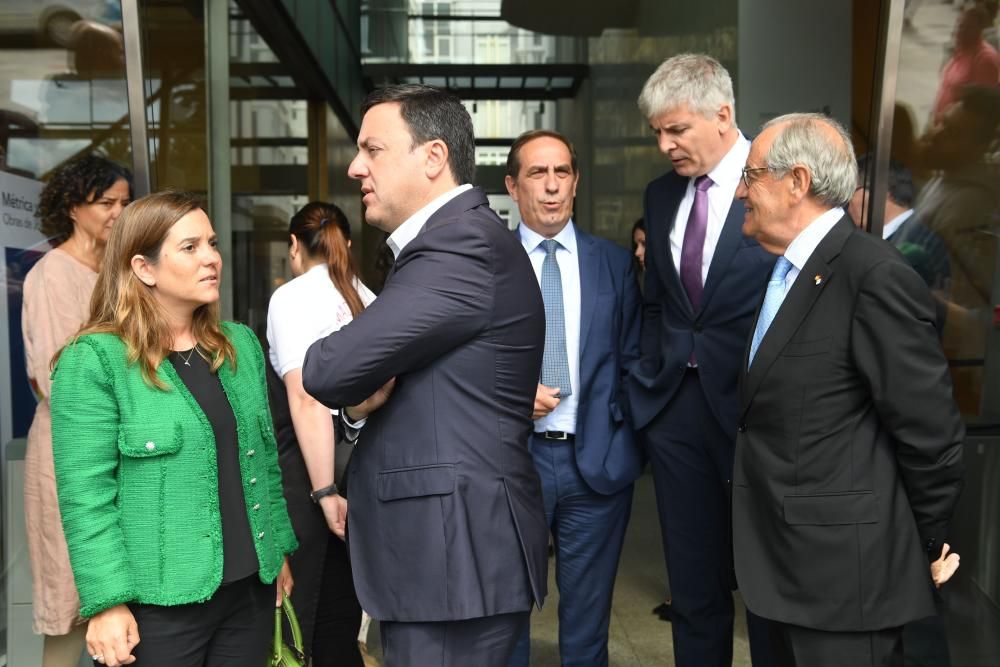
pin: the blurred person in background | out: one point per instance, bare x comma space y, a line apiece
972, 62
77, 207
166, 464
325, 294
960, 203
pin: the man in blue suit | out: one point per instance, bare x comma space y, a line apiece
703, 280
583, 446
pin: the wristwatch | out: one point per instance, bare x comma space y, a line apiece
322, 493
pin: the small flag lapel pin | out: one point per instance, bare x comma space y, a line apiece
818, 279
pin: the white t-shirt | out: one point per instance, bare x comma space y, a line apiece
304, 310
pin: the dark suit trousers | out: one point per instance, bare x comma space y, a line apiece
795, 646
692, 463
588, 531
483, 642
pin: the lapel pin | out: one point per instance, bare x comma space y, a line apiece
818, 279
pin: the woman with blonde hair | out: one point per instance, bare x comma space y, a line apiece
165, 459
325, 294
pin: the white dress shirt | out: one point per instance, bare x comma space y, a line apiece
563, 418
801, 249
408, 231
725, 178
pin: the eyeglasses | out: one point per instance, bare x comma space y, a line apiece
749, 170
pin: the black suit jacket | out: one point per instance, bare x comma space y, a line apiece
445, 514
671, 328
849, 453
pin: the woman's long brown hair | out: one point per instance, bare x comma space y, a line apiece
125, 306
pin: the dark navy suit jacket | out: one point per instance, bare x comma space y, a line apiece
717, 333
445, 514
606, 451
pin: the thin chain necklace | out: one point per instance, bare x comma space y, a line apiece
186, 360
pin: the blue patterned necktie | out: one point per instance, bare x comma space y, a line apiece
772, 302
555, 361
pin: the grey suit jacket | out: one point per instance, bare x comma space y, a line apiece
445, 518
849, 447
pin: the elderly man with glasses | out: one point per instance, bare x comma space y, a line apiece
849, 453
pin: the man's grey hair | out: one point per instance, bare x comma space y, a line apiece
830, 160
694, 79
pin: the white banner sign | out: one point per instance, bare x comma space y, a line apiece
21, 245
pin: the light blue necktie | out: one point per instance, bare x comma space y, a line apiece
772, 302
555, 361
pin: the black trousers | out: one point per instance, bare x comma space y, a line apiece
337, 618
795, 646
234, 628
482, 642
692, 462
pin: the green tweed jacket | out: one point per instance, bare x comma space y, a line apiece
137, 477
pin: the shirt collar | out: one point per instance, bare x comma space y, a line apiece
730, 167
408, 231
897, 222
531, 239
802, 248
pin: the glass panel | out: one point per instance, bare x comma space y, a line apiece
62, 85
945, 175
944, 142
260, 252
174, 57
62, 96
505, 119
270, 155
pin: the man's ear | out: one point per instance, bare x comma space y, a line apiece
437, 158
724, 118
143, 270
801, 182
511, 184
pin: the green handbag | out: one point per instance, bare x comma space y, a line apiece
283, 655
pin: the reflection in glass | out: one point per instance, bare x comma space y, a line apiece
62, 84
945, 134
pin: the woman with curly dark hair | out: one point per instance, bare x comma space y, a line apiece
77, 208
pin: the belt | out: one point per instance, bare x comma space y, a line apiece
554, 435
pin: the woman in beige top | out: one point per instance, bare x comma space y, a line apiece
77, 208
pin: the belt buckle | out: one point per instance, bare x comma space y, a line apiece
556, 435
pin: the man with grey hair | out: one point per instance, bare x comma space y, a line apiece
702, 280
849, 452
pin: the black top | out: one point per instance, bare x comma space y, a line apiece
239, 558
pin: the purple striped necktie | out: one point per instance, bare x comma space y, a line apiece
694, 242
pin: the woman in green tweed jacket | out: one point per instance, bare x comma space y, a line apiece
166, 464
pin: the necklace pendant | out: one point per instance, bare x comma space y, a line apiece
187, 362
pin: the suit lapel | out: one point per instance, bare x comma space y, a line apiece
725, 249
671, 198
794, 309
590, 264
